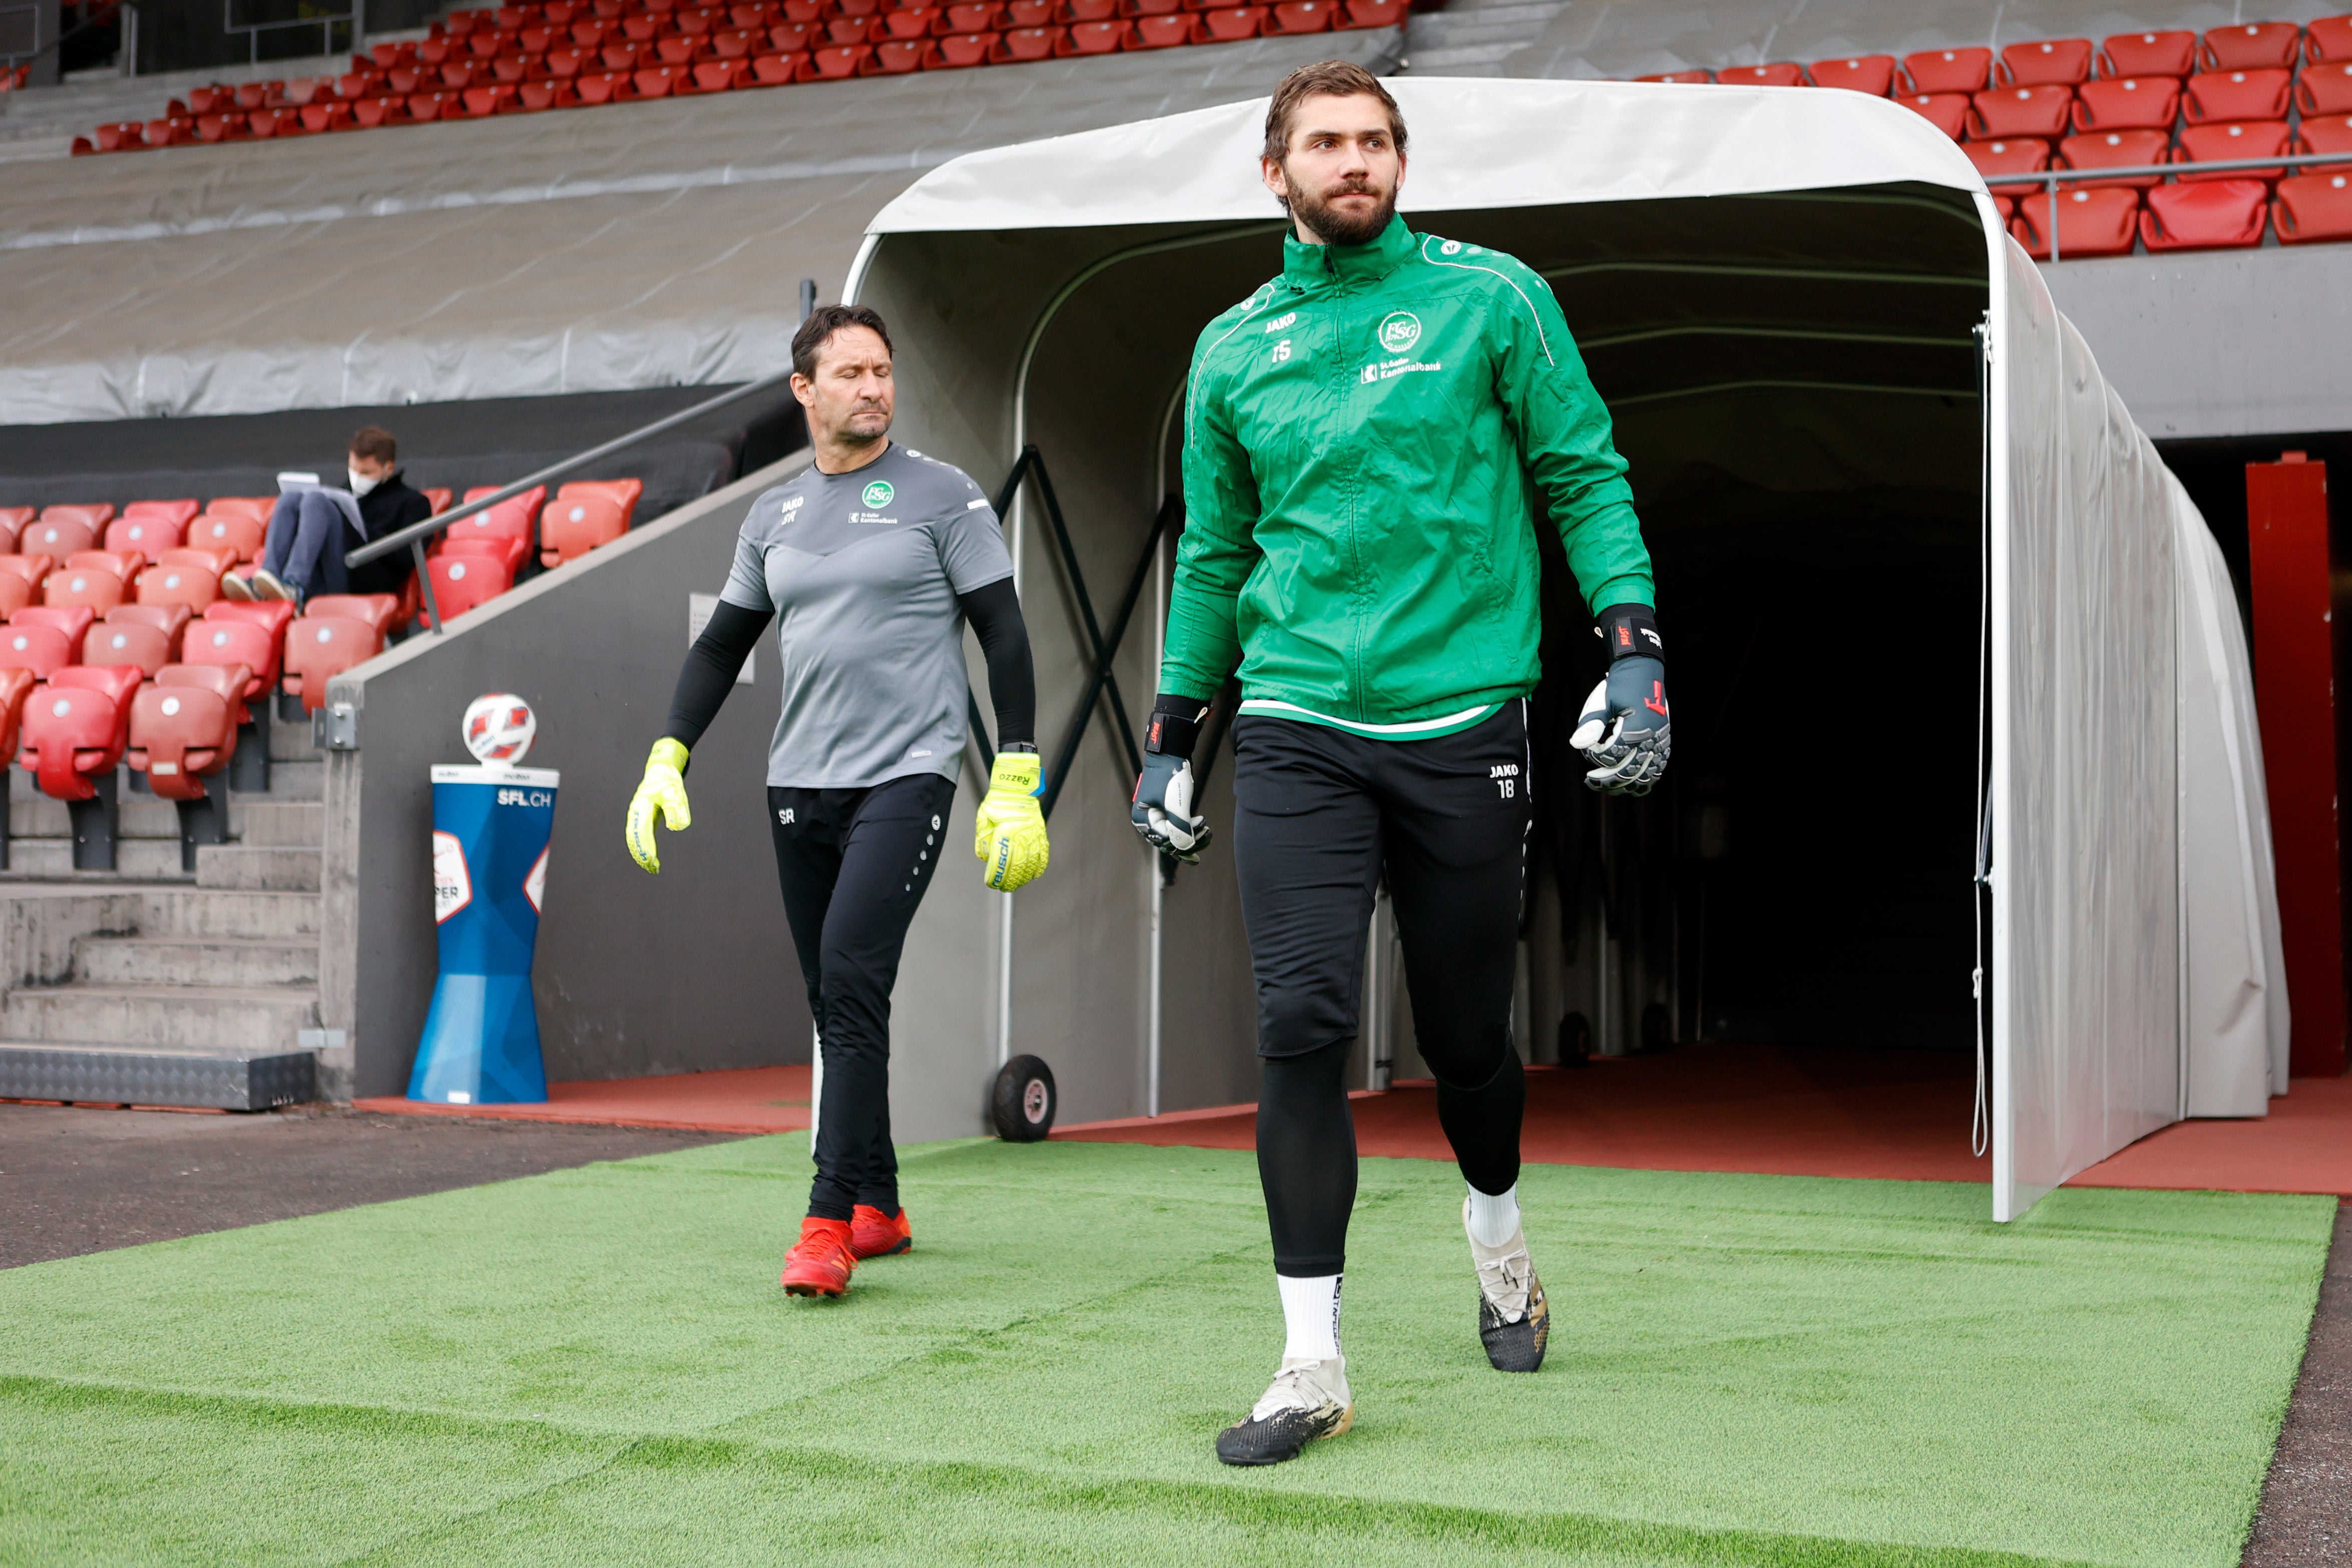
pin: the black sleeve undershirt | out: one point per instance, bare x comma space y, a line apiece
733, 632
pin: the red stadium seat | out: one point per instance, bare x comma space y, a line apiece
170, 582
795, 38
2333, 134
150, 534
2114, 150
321, 647
2217, 144
509, 552
835, 62
776, 70
957, 52
658, 81
481, 102
2008, 112
898, 57
2090, 222
91, 587
677, 50
437, 496
2213, 215
910, 22
15, 519
1109, 38
534, 96
16, 685
180, 735
601, 87
73, 620
973, 16
229, 531
2256, 45
1946, 70
574, 525
30, 570
2236, 95
2127, 103
1164, 32
460, 582
15, 593
1228, 24
459, 75
215, 558
2328, 39
181, 512
1070, 11
722, 76
2171, 54
1369, 14
1296, 16
2313, 207
272, 615
239, 643
39, 649
1993, 158
564, 62
1946, 111
625, 493
381, 611
847, 30
124, 564
170, 620
1783, 74
146, 648
2060, 62
1872, 74
2326, 89
1017, 44
388, 109
76, 724
58, 533
1029, 13
1684, 79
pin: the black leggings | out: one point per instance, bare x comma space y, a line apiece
854, 864
1319, 814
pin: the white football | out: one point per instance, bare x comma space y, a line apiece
500, 727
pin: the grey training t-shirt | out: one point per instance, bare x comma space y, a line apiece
861, 571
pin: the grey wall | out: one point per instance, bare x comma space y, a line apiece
636, 974
2227, 342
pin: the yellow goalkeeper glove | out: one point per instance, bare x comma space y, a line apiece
660, 797
1009, 833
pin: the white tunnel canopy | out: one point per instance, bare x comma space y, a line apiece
1779, 286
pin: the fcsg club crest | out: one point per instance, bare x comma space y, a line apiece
1399, 332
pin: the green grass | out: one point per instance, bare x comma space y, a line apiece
596, 1366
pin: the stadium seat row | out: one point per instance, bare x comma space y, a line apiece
160, 553
2209, 214
661, 51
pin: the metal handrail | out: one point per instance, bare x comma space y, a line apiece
2053, 178
416, 534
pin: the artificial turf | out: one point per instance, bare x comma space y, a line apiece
596, 1366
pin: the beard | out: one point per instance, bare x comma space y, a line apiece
1338, 228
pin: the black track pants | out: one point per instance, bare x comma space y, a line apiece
854, 864
1319, 814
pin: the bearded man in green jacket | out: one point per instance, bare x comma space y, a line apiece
1361, 437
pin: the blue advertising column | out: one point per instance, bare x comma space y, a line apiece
490, 828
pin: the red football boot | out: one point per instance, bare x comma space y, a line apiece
821, 1260
872, 1236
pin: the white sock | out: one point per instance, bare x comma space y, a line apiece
1494, 1217
1310, 1317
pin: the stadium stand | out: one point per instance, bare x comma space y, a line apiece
531, 58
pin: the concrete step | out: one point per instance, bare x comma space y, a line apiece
105, 1074
292, 781
266, 868
138, 859
258, 821
291, 742
196, 961
242, 1018
33, 815
203, 912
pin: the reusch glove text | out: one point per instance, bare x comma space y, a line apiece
1009, 828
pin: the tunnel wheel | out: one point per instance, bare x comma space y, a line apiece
1657, 1030
1025, 1101
1575, 1042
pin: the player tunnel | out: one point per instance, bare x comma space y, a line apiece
1883, 552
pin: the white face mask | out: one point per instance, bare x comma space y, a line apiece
361, 483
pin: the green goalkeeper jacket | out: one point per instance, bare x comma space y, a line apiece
1360, 436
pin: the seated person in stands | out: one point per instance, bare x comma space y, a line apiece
311, 531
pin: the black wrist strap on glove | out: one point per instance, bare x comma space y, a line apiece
1631, 630
1175, 725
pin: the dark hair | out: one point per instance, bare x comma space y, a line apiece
1325, 78
375, 442
823, 323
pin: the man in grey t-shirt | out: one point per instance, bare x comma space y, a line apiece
870, 560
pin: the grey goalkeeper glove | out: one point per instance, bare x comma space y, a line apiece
1163, 793
1624, 730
